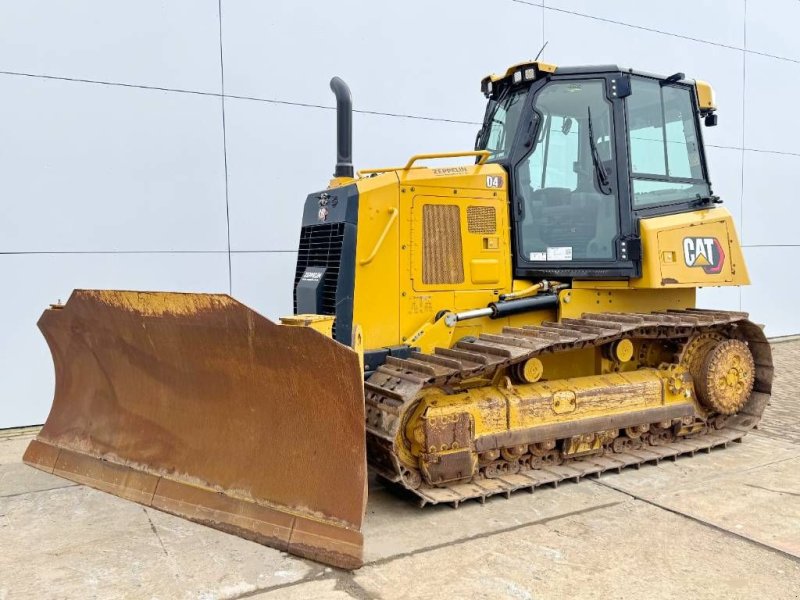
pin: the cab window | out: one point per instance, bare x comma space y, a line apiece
500, 123
567, 183
666, 164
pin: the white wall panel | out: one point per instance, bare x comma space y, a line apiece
772, 297
770, 199
278, 154
264, 281
608, 43
771, 91
171, 44
720, 298
725, 171
412, 57
32, 282
87, 167
772, 27
719, 21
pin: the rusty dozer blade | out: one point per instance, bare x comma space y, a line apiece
198, 406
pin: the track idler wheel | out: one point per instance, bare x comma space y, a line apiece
726, 377
412, 478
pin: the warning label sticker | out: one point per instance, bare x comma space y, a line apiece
559, 253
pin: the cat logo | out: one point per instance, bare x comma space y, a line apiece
703, 252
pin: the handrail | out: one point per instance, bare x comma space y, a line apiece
484, 154
392, 218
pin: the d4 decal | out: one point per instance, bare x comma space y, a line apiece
705, 252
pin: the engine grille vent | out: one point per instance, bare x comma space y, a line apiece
321, 246
442, 257
481, 219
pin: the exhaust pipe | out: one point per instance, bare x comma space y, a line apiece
344, 128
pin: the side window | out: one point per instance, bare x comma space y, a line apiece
567, 182
502, 117
665, 153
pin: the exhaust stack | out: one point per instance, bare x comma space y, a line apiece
344, 128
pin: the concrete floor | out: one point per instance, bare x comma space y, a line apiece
724, 524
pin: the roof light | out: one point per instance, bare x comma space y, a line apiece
517, 76
530, 74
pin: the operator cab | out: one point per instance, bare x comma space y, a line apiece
589, 151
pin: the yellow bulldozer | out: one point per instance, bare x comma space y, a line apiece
463, 331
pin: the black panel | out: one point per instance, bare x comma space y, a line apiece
601, 69
587, 70
340, 204
308, 291
328, 243
375, 358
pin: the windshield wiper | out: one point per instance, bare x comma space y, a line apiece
599, 167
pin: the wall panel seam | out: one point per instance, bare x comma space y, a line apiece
653, 30
744, 129
232, 96
225, 147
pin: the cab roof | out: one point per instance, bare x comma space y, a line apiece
533, 69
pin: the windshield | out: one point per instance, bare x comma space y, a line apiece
500, 123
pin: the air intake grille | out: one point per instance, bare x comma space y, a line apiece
442, 259
481, 219
321, 246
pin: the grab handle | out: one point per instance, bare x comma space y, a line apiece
393, 212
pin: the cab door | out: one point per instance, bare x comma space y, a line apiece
571, 190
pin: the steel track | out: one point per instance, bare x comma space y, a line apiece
394, 388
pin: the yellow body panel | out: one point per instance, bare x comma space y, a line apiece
692, 249
705, 96
321, 323
377, 286
392, 309
573, 303
538, 65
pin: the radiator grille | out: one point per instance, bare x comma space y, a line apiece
481, 219
321, 246
442, 259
